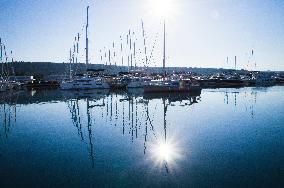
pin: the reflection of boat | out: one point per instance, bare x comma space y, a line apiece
45, 96
172, 97
135, 92
94, 94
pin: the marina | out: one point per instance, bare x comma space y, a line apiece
154, 93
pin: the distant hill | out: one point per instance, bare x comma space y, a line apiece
50, 68
46, 68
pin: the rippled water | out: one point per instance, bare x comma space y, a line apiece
222, 138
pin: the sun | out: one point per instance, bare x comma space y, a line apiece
161, 8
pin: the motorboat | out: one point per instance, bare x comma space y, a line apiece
85, 83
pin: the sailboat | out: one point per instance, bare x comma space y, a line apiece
168, 84
87, 81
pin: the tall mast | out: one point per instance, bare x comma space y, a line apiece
164, 56
87, 40
235, 62
70, 64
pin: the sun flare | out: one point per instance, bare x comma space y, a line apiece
161, 7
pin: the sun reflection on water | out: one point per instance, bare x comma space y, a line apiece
166, 154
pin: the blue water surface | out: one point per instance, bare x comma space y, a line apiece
221, 138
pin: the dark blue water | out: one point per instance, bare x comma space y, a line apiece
222, 138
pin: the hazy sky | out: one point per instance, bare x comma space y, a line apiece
200, 33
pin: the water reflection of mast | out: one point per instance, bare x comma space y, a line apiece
253, 102
235, 99
90, 133
75, 116
146, 133
165, 128
107, 110
111, 98
9, 111
123, 119
116, 111
165, 123
148, 119
5, 121
129, 111
136, 117
76, 119
132, 118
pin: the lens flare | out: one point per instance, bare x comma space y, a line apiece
161, 8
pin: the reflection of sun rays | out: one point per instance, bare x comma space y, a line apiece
165, 154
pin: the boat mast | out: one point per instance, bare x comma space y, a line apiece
235, 62
87, 40
164, 55
70, 65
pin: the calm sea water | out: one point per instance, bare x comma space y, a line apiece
222, 138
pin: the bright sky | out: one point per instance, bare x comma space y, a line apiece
200, 33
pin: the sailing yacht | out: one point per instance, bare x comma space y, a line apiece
171, 84
85, 82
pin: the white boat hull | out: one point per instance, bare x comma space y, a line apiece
84, 85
